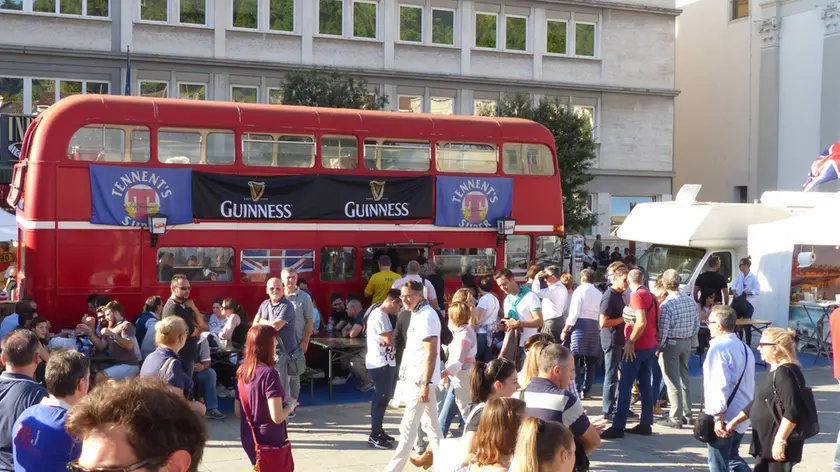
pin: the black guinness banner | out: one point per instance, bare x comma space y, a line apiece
12, 129
311, 197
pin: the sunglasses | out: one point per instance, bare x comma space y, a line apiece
766, 344
75, 467
182, 287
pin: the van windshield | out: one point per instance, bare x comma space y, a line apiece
659, 258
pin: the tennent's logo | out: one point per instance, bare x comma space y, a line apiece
475, 197
377, 190
257, 190
142, 193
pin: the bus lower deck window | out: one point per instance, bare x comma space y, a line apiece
338, 263
479, 262
198, 264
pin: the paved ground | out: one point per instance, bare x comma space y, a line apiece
333, 438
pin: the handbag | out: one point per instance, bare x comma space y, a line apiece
269, 458
806, 427
704, 424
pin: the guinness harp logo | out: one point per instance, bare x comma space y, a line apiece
257, 190
377, 189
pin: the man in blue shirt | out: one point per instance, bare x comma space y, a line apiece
279, 313
24, 309
40, 441
17, 389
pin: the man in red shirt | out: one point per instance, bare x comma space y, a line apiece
637, 359
834, 323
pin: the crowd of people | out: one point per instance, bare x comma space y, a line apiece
515, 370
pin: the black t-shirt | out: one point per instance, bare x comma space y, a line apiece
612, 305
788, 380
189, 352
710, 282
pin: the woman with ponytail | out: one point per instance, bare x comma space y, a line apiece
543, 446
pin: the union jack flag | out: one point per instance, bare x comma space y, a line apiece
824, 169
257, 265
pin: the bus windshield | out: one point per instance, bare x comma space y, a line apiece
659, 258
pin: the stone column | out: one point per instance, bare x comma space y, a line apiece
768, 101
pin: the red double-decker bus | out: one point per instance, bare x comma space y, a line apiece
250, 189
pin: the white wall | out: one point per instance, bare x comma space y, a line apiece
800, 94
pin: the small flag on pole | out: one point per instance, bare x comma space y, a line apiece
128, 71
824, 169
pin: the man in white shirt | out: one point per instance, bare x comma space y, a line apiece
381, 365
745, 283
412, 271
522, 308
725, 396
553, 296
420, 372
487, 313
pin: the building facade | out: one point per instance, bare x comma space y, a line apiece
612, 61
758, 95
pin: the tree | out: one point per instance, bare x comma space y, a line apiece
575, 152
325, 88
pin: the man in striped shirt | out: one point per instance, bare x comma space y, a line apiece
547, 396
678, 323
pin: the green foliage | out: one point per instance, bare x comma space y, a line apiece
575, 152
12, 92
193, 12
584, 39
364, 20
411, 24
557, 37
70, 88
443, 27
330, 17
245, 14
324, 88
97, 7
485, 31
11, 4
282, 15
70, 7
516, 33
244, 95
46, 6
153, 10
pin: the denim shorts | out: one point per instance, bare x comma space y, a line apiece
122, 371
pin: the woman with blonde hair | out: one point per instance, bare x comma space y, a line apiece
533, 347
496, 435
543, 446
779, 392
164, 363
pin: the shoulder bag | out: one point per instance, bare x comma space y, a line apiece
269, 458
704, 425
806, 427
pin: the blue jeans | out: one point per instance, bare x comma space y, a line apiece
724, 456
585, 373
659, 392
207, 386
483, 352
639, 368
383, 389
448, 411
612, 357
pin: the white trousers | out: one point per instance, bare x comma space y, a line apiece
425, 414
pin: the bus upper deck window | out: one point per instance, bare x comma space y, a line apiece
527, 159
397, 155
220, 148
179, 147
278, 150
340, 152
467, 157
99, 143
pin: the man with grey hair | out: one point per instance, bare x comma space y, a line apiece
279, 313
728, 387
547, 396
553, 295
679, 321
412, 272
304, 323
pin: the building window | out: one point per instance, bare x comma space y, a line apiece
442, 106
621, 206
259, 265
194, 12
99, 88
244, 94
187, 91
484, 107
69, 87
410, 104
43, 93
281, 15
556, 37
516, 31
411, 23
585, 39
154, 89
485, 30
443, 26
588, 113
198, 264
364, 19
245, 14
154, 10
740, 9
275, 96
97, 8
331, 17
338, 263
11, 5
11, 95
